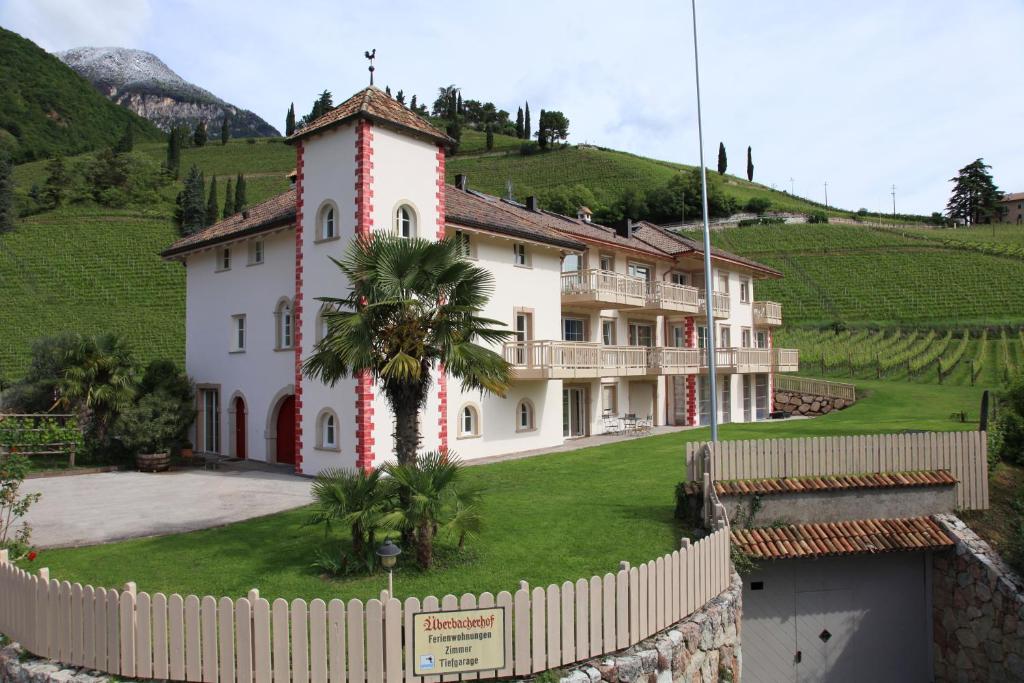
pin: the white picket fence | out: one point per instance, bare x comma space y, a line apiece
250, 640
963, 454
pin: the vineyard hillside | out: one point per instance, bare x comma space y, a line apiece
863, 276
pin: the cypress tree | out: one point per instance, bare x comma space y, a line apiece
750, 165
454, 130
542, 138
199, 137
225, 134
527, 132
413, 105
239, 193
229, 200
289, 121
7, 213
387, 90
519, 123
400, 97
212, 203
190, 213
458, 104
56, 185
490, 138
174, 152
723, 163
127, 141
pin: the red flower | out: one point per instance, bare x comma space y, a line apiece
32, 556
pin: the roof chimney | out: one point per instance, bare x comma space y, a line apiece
624, 228
460, 181
531, 204
584, 214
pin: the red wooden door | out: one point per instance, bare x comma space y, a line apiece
286, 431
240, 451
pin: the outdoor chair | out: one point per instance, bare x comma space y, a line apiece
629, 423
612, 425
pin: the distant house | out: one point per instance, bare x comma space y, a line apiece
1013, 207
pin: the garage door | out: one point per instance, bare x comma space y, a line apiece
838, 619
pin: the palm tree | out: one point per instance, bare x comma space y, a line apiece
99, 381
354, 498
431, 489
414, 306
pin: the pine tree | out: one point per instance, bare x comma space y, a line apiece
289, 121
199, 137
56, 186
240, 193
975, 197
229, 200
490, 137
519, 123
225, 132
190, 213
7, 212
542, 138
174, 152
127, 141
527, 131
750, 165
324, 103
212, 204
723, 163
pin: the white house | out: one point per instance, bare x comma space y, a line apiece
607, 321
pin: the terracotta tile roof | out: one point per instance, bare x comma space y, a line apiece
595, 232
665, 239
841, 538
1013, 197
275, 212
486, 212
886, 480
374, 104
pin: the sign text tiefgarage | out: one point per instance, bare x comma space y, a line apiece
458, 642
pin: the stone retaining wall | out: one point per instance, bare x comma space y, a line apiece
17, 666
704, 648
810, 405
977, 611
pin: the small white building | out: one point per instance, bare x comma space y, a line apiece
608, 322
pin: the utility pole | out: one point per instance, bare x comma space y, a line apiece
708, 280
893, 203
791, 186
826, 194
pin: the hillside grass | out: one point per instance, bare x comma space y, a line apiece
547, 519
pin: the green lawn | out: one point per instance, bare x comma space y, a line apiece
549, 518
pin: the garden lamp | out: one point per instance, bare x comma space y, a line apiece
388, 553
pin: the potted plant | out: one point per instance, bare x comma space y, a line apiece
186, 450
149, 428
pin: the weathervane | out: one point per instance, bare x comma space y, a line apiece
371, 55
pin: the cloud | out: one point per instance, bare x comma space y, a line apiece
63, 24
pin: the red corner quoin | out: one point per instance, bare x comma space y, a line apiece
364, 227
297, 306
691, 380
442, 379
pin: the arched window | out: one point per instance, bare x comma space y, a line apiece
327, 430
285, 323
328, 223
469, 421
405, 221
525, 416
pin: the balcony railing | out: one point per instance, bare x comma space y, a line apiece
544, 359
767, 313
719, 303
668, 296
744, 360
594, 286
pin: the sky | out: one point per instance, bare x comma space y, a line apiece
861, 95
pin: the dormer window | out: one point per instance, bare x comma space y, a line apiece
405, 221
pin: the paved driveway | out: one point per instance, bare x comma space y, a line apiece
97, 508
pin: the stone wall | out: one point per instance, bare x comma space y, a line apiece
977, 611
809, 404
17, 666
703, 648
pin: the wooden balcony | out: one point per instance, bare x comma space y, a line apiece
668, 298
594, 288
544, 359
719, 304
740, 360
767, 313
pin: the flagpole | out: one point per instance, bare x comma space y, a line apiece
708, 279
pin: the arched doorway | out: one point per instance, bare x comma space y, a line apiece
286, 431
240, 428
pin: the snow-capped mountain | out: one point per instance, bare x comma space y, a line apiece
141, 82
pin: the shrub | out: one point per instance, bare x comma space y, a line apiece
817, 217
153, 424
757, 205
528, 148
15, 532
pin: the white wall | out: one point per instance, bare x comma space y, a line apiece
259, 373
